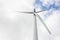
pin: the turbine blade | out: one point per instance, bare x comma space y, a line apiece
40, 11
43, 23
25, 12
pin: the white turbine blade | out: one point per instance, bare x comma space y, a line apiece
25, 12
43, 23
40, 11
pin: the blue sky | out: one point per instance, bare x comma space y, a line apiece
49, 5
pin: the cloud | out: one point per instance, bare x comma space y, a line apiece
19, 26
14, 25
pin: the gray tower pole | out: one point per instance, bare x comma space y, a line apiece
35, 35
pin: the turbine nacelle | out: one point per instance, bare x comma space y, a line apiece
34, 10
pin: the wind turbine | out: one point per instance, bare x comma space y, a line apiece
35, 36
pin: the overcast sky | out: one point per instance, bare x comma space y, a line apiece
19, 26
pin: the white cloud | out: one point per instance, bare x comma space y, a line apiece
18, 26
14, 25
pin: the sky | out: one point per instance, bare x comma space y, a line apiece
19, 26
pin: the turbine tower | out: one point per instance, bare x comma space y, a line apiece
35, 35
